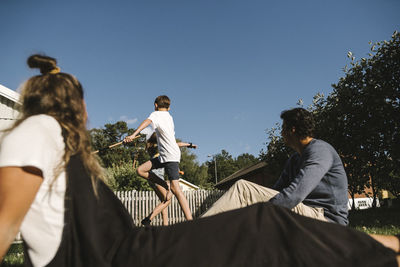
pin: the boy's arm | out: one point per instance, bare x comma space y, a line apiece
143, 125
189, 145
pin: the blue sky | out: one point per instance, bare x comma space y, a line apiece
229, 67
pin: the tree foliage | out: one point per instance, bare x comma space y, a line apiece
227, 165
193, 171
121, 161
276, 153
245, 160
366, 102
361, 119
111, 134
123, 177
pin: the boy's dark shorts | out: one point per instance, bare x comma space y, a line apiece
171, 167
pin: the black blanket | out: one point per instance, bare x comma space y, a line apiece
100, 232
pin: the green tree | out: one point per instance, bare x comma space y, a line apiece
393, 183
202, 176
225, 166
114, 133
119, 161
123, 177
193, 172
276, 153
367, 100
361, 119
245, 160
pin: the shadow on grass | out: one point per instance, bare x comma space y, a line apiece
383, 220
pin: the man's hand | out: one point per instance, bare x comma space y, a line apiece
129, 139
192, 146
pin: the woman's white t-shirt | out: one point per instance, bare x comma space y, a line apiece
38, 142
163, 124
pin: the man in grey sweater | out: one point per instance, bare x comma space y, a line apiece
313, 182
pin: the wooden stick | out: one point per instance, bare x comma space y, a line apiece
113, 145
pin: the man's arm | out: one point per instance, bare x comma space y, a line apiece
143, 125
189, 145
316, 164
18, 188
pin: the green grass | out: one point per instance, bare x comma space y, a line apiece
14, 257
373, 221
384, 221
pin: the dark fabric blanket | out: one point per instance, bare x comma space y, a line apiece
99, 232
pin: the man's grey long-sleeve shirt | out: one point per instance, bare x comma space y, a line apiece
318, 179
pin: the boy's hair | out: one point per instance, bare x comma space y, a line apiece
162, 101
301, 119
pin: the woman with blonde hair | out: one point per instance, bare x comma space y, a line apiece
51, 190
34, 155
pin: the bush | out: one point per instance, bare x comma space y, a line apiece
14, 257
376, 220
124, 178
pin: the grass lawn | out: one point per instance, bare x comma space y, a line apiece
14, 257
372, 221
376, 221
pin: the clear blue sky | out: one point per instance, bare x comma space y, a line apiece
230, 67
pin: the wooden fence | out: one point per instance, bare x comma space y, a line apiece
140, 203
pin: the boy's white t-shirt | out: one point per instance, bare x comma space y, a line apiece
38, 142
163, 124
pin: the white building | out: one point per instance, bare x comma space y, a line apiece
362, 203
187, 186
9, 106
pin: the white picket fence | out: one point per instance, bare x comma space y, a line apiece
140, 203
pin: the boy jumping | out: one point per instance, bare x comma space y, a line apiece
170, 154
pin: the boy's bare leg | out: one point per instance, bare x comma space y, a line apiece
144, 171
162, 207
176, 189
168, 195
164, 212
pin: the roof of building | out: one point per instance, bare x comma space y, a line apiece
188, 184
9, 94
242, 172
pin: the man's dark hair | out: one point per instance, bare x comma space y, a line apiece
162, 101
301, 119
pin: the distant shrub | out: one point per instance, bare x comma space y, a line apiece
123, 177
